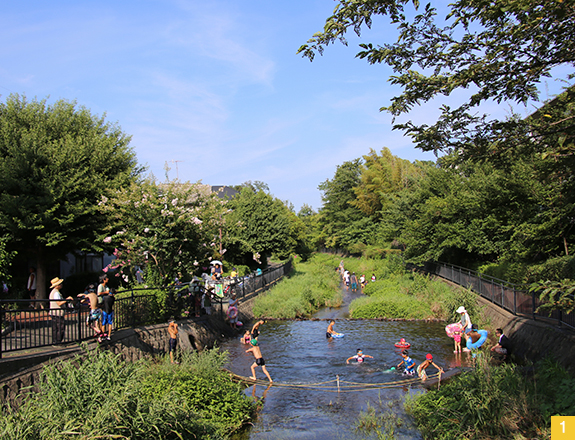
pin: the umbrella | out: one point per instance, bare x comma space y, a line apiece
217, 262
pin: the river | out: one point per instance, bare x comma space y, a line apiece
300, 359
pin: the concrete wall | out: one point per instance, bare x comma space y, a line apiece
533, 339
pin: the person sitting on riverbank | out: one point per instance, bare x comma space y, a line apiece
503, 346
247, 337
408, 362
423, 366
259, 362
359, 356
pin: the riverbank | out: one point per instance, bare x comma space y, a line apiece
100, 395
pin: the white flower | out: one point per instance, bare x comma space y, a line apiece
108, 240
146, 229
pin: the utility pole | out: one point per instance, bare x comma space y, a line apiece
177, 173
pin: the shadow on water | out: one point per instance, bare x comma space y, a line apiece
297, 352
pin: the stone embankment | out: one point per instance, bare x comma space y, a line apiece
534, 339
20, 371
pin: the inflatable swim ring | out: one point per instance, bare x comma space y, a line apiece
232, 312
451, 328
403, 344
337, 335
480, 341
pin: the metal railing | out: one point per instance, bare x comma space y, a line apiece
25, 328
514, 298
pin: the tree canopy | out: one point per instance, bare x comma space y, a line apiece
56, 161
500, 51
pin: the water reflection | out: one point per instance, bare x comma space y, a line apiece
297, 352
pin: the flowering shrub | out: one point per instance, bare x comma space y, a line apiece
159, 227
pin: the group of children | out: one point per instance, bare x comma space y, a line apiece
350, 279
101, 301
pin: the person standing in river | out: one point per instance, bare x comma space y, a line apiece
259, 362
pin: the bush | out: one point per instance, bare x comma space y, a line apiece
100, 396
488, 402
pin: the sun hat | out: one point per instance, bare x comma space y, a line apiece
461, 310
428, 356
56, 282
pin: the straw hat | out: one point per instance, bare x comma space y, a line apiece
461, 310
56, 282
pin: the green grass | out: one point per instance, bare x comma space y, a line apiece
399, 293
495, 402
312, 285
101, 396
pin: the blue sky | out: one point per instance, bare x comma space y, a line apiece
215, 85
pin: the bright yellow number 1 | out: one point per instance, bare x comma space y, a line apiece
562, 427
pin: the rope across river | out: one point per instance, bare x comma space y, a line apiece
337, 385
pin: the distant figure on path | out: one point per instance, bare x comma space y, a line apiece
108, 313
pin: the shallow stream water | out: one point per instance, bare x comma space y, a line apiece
298, 353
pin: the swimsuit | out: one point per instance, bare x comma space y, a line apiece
255, 333
260, 362
359, 358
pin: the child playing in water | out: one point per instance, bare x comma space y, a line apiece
330, 331
359, 356
409, 363
457, 340
247, 337
256, 329
259, 362
426, 363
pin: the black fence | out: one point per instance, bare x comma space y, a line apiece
24, 327
514, 298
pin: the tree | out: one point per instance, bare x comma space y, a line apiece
338, 212
158, 226
499, 50
259, 226
56, 161
382, 178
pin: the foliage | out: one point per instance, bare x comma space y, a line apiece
6, 257
339, 216
56, 162
555, 295
407, 295
382, 178
500, 49
488, 402
555, 389
379, 419
101, 396
261, 225
496, 402
313, 285
156, 226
